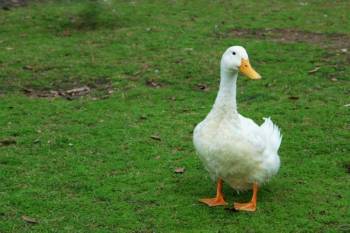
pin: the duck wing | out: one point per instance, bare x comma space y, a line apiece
252, 137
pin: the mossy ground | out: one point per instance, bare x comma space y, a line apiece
91, 165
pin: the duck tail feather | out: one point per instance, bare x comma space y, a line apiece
272, 134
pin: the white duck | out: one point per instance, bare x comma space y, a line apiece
233, 148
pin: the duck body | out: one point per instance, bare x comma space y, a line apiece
236, 149
232, 147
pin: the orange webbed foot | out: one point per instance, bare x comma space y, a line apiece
213, 201
249, 206
218, 200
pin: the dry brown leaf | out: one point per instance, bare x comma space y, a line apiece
156, 137
143, 117
28, 90
27, 67
145, 67
293, 97
179, 170
79, 91
66, 33
29, 220
7, 141
43, 94
36, 141
314, 70
203, 87
152, 83
188, 49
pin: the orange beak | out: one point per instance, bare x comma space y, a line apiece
248, 70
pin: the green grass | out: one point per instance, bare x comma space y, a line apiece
90, 164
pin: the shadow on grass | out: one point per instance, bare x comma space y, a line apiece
94, 15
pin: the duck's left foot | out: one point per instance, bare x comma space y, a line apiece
218, 200
213, 201
250, 206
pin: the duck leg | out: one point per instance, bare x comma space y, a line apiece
219, 199
249, 206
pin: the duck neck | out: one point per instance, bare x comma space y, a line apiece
226, 98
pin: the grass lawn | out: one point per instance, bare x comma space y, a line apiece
104, 161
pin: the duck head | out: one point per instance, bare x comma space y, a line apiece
236, 59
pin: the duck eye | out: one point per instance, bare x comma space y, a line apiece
233, 53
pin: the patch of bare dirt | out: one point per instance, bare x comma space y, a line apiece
68, 94
8, 4
338, 41
99, 88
